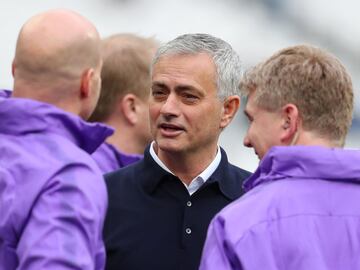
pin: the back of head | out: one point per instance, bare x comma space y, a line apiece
126, 69
313, 80
226, 60
53, 51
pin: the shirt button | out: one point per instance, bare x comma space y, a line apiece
188, 230
189, 203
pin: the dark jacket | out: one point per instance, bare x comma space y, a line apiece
153, 223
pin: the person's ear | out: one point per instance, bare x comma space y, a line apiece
290, 122
13, 67
86, 81
230, 107
129, 108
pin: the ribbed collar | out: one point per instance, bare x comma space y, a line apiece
21, 116
307, 162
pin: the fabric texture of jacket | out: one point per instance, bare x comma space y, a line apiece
301, 211
110, 159
52, 194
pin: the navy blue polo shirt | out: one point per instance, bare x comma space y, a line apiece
153, 223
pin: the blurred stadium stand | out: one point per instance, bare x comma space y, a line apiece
255, 28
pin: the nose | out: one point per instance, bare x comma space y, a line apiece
247, 142
170, 107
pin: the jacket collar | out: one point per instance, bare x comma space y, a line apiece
307, 162
5, 93
21, 116
154, 174
228, 184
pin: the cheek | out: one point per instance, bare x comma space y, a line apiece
256, 136
153, 109
210, 116
250, 131
153, 114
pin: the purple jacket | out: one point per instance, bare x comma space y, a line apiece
52, 194
301, 211
110, 159
5, 93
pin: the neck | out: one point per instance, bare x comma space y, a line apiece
124, 139
65, 105
63, 97
312, 138
186, 166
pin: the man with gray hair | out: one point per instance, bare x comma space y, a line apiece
160, 208
301, 204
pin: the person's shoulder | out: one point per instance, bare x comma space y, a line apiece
245, 213
263, 204
232, 170
124, 176
127, 171
84, 172
239, 172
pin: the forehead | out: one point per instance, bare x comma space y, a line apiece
195, 66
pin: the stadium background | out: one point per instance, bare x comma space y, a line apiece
255, 28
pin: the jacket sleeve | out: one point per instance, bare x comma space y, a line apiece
64, 228
218, 253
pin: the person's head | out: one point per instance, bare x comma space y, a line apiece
126, 84
58, 60
300, 95
194, 95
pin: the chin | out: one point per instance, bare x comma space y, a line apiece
169, 146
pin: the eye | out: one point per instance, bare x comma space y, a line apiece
158, 93
190, 98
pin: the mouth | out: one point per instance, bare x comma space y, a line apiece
170, 130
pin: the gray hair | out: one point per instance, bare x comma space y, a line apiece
226, 60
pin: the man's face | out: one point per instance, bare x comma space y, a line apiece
264, 129
185, 112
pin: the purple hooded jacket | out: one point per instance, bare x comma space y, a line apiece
301, 211
52, 194
109, 159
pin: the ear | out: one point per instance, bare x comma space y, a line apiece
13, 67
230, 107
129, 108
290, 123
85, 86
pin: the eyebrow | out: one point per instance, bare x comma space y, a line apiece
185, 88
159, 84
179, 88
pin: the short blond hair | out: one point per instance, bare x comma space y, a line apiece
313, 80
126, 69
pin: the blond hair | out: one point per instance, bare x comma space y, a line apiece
313, 80
126, 69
